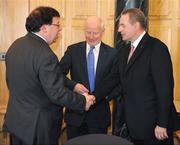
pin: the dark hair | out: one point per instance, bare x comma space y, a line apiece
136, 15
40, 16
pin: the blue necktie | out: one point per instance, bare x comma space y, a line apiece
90, 64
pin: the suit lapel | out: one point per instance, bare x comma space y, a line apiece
126, 54
101, 60
140, 48
83, 61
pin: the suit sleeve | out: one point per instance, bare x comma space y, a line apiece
52, 81
162, 74
110, 85
115, 93
65, 66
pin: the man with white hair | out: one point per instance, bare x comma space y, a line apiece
85, 78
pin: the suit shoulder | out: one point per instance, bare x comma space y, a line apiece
75, 48
156, 42
77, 44
158, 47
109, 48
106, 45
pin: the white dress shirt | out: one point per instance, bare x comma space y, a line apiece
96, 53
136, 42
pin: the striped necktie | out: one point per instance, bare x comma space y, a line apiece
130, 53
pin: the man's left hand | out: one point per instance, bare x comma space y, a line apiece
160, 133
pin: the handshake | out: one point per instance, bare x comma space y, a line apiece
90, 100
81, 89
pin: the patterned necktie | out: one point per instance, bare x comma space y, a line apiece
90, 64
130, 53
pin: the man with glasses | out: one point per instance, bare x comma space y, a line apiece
36, 84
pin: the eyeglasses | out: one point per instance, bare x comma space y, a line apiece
57, 25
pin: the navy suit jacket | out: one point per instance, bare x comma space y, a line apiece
74, 61
146, 84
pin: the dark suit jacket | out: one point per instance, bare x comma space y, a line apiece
74, 61
37, 91
147, 87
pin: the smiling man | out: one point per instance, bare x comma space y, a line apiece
88, 63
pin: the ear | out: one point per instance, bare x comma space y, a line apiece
137, 25
43, 28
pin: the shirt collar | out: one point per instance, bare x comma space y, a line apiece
40, 36
136, 42
97, 46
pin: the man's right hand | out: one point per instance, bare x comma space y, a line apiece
90, 100
81, 89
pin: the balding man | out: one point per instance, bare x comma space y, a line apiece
77, 61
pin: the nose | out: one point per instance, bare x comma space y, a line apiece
119, 29
60, 29
91, 35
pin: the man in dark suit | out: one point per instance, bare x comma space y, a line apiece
145, 78
75, 61
36, 84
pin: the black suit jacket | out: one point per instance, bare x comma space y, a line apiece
74, 61
146, 84
37, 91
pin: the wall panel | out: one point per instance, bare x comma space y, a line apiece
162, 31
12, 25
164, 24
84, 8
159, 7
